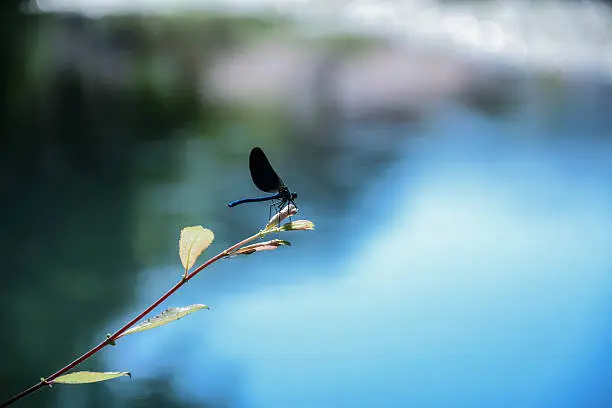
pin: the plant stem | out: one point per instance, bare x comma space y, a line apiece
128, 325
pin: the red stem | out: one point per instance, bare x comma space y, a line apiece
125, 327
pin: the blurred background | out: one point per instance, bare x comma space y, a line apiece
455, 157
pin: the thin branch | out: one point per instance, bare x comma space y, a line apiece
128, 325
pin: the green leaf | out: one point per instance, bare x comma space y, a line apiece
194, 240
299, 225
84, 377
167, 316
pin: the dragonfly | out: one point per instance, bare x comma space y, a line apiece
265, 178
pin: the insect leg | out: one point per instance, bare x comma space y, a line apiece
293, 203
276, 210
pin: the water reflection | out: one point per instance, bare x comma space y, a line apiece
470, 270
461, 249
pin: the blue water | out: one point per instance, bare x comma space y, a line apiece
475, 272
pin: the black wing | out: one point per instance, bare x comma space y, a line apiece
262, 173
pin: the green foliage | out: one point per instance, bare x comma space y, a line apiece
167, 316
86, 377
193, 241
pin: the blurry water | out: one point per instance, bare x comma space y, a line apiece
475, 271
550, 35
459, 260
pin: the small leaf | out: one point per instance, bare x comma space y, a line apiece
261, 246
299, 225
108, 338
193, 241
167, 316
280, 216
84, 377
